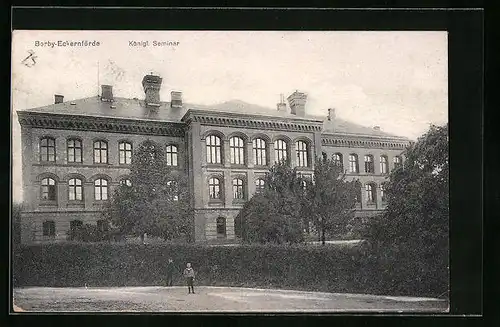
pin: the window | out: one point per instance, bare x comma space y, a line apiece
126, 182
49, 228
259, 185
280, 151
324, 156
125, 153
74, 150
383, 165
75, 189
100, 152
214, 188
100, 189
359, 195
221, 227
370, 193
259, 152
238, 193
48, 189
383, 196
237, 147
75, 228
102, 226
213, 149
172, 190
369, 164
171, 155
337, 159
301, 148
397, 162
353, 163
48, 149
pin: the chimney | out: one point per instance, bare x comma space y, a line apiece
107, 93
331, 114
175, 99
281, 106
297, 101
58, 98
151, 84
377, 128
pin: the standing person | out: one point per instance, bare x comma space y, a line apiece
170, 272
189, 275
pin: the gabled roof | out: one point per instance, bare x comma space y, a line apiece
136, 109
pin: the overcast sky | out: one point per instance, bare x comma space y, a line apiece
397, 80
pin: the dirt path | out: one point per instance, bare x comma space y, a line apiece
165, 299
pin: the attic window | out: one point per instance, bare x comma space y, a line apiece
73, 103
112, 106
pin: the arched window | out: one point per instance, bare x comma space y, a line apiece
214, 149
259, 152
48, 189
280, 150
383, 195
171, 155
48, 149
49, 228
397, 162
125, 153
259, 185
337, 159
302, 158
100, 189
214, 188
221, 227
237, 148
383, 165
369, 168
75, 190
75, 228
101, 152
370, 193
172, 190
353, 163
238, 189
126, 182
74, 150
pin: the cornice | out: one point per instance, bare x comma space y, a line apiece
252, 121
361, 141
100, 124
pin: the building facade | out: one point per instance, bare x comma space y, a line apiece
75, 153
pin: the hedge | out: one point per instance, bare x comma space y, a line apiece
317, 268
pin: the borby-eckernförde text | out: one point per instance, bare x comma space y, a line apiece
61, 43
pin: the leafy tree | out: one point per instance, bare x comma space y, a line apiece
414, 229
274, 215
157, 203
330, 199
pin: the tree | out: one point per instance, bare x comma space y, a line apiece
157, 202
330, 199
274, 214
414, 228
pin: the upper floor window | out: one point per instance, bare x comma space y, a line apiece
48, 149
214, 149
236, 144
370, 193
171, 155
280, 150
74, 150
337, 159
238, 191
383, 165
214, 188
397, 162
259, 152
49, 228
48, 191
173, 190
259, 185
100, 189
353, 163
369, 164
100, 152
126, 182
125, 153
75, 189
301, 149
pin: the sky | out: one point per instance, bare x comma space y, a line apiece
396, 80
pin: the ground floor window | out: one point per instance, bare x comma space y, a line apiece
221, 227
49, 228
75, 228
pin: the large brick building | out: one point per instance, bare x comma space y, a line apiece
75, 152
